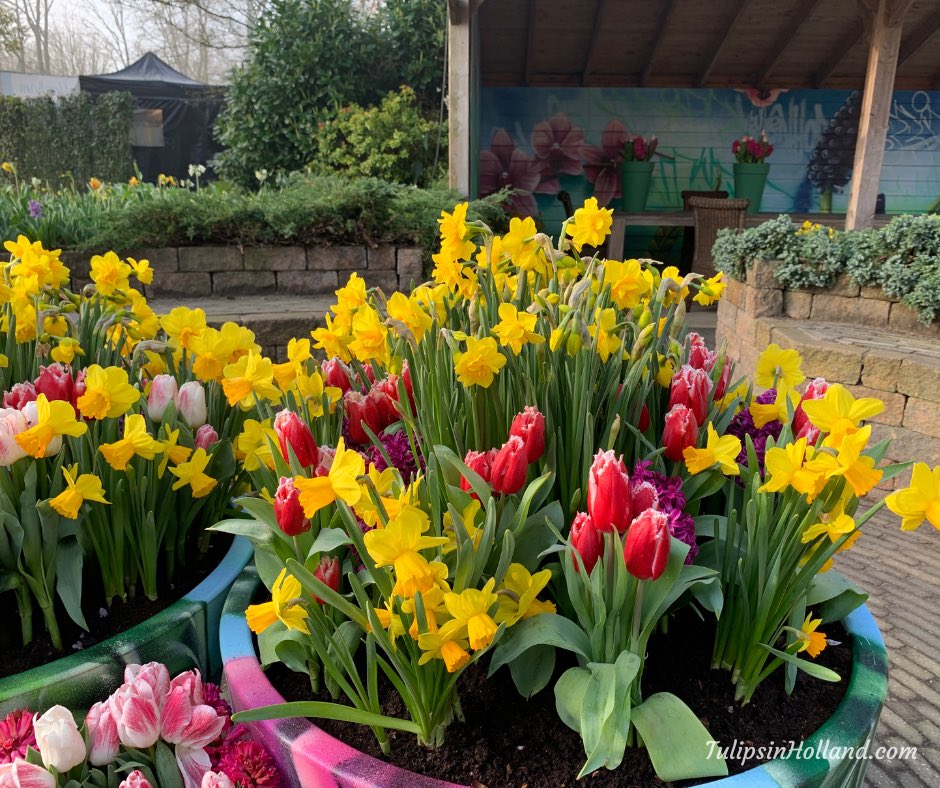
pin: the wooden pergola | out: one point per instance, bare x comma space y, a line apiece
874, 45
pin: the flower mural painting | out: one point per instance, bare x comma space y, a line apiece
504, 165
557, 145
602, 164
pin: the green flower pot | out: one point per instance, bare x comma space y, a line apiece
749, 182
635, 179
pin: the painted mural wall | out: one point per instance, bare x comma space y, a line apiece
542, 140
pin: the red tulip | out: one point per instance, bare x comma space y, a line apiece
530, 426
55, 381
78, 389
587, 540
480, 462
700, 357
293, 431
646, 548
19, 395
679, 432
336, 374
721, 385
608, 498
691, 387
361, 409
644, 421
327, 572
510, 466
385, 402
644, 497
287, 509
325, 455
409, 386
802, 427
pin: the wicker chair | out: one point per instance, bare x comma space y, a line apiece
712, 215
688, 235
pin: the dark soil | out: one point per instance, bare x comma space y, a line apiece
507, 741
14, 658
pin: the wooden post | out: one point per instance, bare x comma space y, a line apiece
884, 45
458, 95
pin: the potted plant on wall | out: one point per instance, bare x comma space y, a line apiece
636, 172
751, 168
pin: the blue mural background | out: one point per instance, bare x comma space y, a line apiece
813, 132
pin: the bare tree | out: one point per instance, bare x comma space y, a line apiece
36, 15
113, 18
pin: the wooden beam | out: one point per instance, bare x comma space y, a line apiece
798, 16
458, 95
883, 51
592, 44
530, 40
852, 35
665, 18
920, 36
703, 76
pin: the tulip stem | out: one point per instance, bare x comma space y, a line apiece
637, 616
52, 626
25, 605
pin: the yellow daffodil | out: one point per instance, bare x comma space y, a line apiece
480, 363
606, 341
182, 325
171, 450
516, 329
370, 336
399, 544
468, 519
253, 445
665, 372
142, 270
108, 393
517, 598
677, 291
858, 469
53, 419
629, 282
785, 467
811, 641
590, 225
524, 251
341, 483
66, 350
285, 606
109, 273
470, 610
711, 290
55, 325
780, 409
778, 368
193, 474
333, 339
834, 524
136, 441
249, 379
721, 451
455, 244
920, 500
435, 645
838, 413
86, 487
408, 312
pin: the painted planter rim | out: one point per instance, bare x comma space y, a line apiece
71, 667
298, 739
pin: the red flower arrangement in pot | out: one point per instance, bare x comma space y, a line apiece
751, 168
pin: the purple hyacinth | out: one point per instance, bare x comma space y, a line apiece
682, 526
670, 501
398, 448
35, 209
743, 424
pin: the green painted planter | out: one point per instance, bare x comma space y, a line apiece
635, 180
183, 636
749, 183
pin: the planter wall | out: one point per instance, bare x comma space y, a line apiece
857, 336
311, 758
183, 636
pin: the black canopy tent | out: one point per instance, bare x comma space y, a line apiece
174, 119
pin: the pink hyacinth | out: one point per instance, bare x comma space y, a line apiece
249, 765
16, 735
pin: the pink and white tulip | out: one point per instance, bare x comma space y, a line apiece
191, 404
163, 391
22, 774
103, 741
58, 740
136, 779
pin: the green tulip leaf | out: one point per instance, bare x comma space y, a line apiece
548, 629
569, 695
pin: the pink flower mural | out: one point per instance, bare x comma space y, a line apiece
557, 145
505, 165
602, 164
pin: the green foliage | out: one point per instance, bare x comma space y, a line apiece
68, 140
392, 141
310, 57
902, 258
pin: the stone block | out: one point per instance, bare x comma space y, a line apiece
875, 293
307, 282
904, 319
182, 284
880, 369
386, 281
164, 259
243, 283
275, 258
763, 274
78, 263
857, 311
763, 303
907, 444
837, 363
842, 286
336, 258
923, 416
894, 404
381, 258
211, 258
734, 293
275, 331
797, 304
919, 376
410, 262
762, 331
745, 327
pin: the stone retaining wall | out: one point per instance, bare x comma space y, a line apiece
224, 271
848, 334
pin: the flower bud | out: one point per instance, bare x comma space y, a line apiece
191, 404
510, 466
691, 387
646, 548
587, 540
57, 738
55, 381
700, 357
802, 426
163, 390
327, 572
216, 780
287, 509
336, 374
409, 386
680, 431
530, 426
644, 420
721, 385
103, 741
206, 436
361, 409
293, 431
608, 498
135, 779
19, 395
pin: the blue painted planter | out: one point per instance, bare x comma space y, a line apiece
183, 636
310, 758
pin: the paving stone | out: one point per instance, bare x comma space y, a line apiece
336, 258
875, 293
386, 281
275, 258
843, 286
